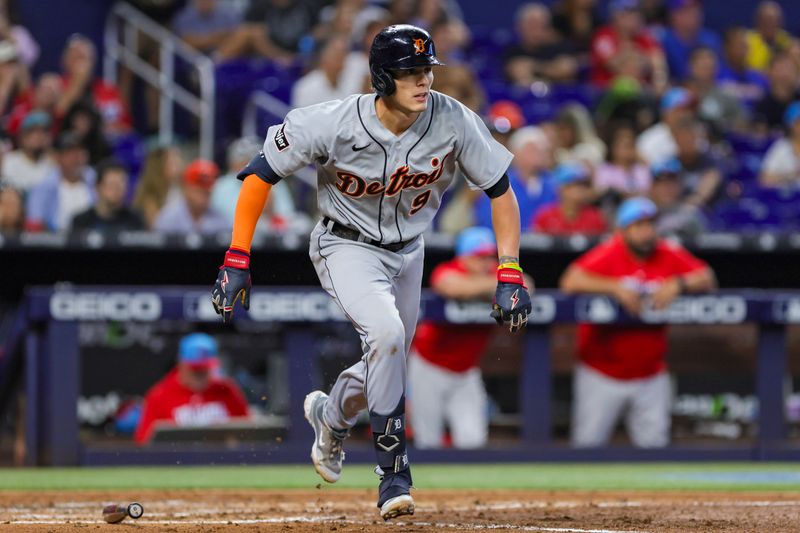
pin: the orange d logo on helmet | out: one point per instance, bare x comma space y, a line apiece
419, 46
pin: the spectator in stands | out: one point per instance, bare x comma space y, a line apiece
714, 106
622, 369
781, 167
444, 376
14, 75
279, 212
26, 47
271, 29
784, 82
328, 81
160, 182
85, 121
625, 48
429, 13
676, 217
684, 34
109, 214
78, 63
576, 21
735, 76
623, 175
31, 163
573, 212
44, 97
192, 213
357, 64
66, 192
193, 393
528, 176
538, 54
768, 38
657, 142
458, 79
577, 139
504, 118
205, 24
12, 210
458, 210
700, 168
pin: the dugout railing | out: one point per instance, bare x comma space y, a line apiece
48, 331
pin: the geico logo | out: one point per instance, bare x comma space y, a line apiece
543, 311
700, 310
787, 310
105, 306
291, 307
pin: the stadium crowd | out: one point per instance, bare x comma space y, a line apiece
639, 98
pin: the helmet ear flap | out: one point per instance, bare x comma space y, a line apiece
382, 81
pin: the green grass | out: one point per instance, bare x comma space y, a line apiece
668, 476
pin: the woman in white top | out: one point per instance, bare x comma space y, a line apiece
577, 140
781, 166
623, 173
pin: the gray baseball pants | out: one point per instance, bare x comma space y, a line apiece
379, 291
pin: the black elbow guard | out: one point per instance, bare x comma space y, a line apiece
259, 166
499, 188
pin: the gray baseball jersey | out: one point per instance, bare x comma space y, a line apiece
386, 186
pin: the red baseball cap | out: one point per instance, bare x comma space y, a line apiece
505, 115
201, 173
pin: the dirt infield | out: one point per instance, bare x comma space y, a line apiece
346, 511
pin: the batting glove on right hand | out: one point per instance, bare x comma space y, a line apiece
233, 283
512, 303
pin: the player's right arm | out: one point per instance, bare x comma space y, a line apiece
287, 148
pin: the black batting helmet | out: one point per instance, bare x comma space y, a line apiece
399, 47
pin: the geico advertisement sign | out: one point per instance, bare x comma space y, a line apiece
272, 307
141, 306
543, 311
700, 310
696, 310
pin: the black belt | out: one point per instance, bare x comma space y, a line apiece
354, 235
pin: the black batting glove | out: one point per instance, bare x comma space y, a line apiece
233, 283
512, 303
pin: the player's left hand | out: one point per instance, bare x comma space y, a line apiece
233, 283
512, 303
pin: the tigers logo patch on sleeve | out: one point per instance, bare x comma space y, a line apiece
281, 141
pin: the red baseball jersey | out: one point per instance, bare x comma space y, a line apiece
631, 352
453, 347
606, 45
551, 220
170, 400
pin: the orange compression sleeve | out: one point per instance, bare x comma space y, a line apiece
252, 198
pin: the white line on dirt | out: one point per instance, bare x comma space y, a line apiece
288, 520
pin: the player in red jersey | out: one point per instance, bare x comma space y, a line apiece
190, 394
446, 387
622, 370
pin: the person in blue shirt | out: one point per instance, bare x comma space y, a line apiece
735, 77
528, 176
684, 34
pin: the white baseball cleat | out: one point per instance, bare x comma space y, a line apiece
397, 506
326, 452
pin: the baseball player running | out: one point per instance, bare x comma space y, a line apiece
383, 162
